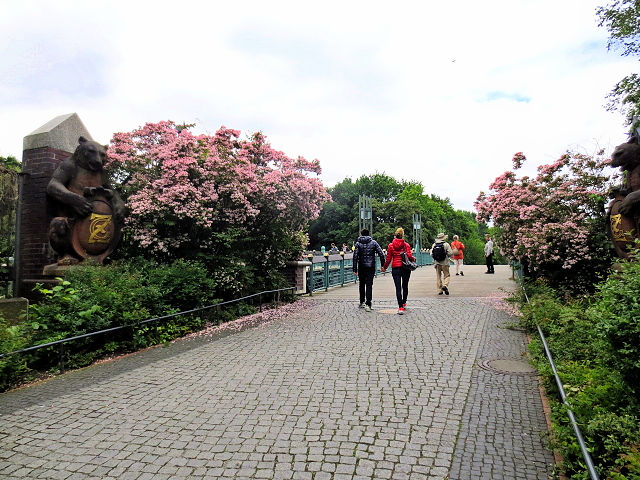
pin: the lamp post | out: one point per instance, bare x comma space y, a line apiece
417, 230
365, 219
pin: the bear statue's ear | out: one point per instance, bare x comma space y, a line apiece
634, 139
82, 140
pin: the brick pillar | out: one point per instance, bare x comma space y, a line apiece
44, 150
34, 252
296, 274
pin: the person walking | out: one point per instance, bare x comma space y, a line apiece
364, 266
441, 252
488, 253
458, 254
400, 275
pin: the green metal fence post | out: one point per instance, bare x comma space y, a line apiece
310, 275
326, 271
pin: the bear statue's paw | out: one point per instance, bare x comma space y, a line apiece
68, 260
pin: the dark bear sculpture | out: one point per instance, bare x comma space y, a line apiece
88, 214
624, 209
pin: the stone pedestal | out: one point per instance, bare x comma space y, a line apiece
297, 275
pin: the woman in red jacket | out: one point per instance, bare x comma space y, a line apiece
399, 274
458, 257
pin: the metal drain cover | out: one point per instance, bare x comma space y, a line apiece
509, 366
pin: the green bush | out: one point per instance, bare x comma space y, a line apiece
595, 342
541, 309
13, 367
94, 298
619, 436
616, 312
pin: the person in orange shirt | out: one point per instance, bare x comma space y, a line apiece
458, 258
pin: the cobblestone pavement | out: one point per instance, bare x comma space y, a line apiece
503, 430
330, 391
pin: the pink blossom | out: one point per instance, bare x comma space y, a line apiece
182, 188
548, 220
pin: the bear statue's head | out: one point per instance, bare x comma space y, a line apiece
627, 155
90, 155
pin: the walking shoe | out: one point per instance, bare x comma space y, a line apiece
457, 274
462, 273
361, 305
401, 311
404, 305
441, 292
367, 308
445, 290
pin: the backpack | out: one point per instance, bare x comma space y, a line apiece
438, 252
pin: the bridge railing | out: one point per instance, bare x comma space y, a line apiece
336, 270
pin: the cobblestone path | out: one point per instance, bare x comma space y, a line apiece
329, 392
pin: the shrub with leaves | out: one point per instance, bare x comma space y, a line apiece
12, 338
595, 342
554, 223
94, 298
217, 198
616, 312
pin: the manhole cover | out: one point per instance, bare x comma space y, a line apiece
388, 310
510, 366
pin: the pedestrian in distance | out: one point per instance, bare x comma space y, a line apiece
441, 252
333, 249
458, 254
488, 253
364, 266
345, 248
400, 275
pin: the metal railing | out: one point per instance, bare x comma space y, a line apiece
517, 269
63, 341
336, 270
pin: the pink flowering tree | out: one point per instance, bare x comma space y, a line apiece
553, 223
238, 204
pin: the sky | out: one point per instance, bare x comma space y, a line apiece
443, 93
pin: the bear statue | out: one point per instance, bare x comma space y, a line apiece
624, 209
88, 214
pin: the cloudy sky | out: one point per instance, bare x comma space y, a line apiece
439, 92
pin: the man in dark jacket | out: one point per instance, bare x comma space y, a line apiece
364, 266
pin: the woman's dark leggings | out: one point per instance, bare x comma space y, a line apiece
401, 280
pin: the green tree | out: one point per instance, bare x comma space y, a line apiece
622, 19
9, 169
394, 204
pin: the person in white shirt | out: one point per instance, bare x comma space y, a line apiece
488, 253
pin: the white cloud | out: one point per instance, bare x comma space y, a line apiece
409, 90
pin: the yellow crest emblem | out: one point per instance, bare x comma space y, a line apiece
99, 228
